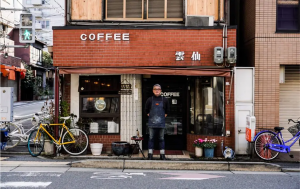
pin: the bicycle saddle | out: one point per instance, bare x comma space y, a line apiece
65, 118
278, 128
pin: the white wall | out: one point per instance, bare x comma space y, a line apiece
74, 96
131, 109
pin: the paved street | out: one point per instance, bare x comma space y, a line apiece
63, 176
27, 109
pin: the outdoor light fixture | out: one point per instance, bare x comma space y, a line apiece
6, 55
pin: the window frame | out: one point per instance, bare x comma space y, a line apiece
287, 31
144, 10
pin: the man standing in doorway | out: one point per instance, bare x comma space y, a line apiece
157, 108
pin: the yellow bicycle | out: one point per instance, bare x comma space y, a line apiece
74, 141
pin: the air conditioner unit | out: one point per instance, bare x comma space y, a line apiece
36, 2
199, 21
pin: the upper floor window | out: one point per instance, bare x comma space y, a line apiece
288, 15
157, 10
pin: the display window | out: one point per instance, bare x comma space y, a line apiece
100, 104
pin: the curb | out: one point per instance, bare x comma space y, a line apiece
290, 169
178, 165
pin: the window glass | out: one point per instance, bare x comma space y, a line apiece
114, 8
156, 8
207, 105
100, 105
134, 8
104, 125
175, 9
288, 15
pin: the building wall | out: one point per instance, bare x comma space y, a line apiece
146, 47
267, 50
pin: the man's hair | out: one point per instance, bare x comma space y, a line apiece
157, 85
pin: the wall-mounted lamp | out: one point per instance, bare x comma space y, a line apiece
6, 55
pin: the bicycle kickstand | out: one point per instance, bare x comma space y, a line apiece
291, 155
58, 150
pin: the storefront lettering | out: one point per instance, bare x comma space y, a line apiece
105, 36
166, 94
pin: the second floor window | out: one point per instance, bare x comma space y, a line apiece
288, 16
154, 10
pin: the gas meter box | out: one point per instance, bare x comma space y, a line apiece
6, 104
250, 129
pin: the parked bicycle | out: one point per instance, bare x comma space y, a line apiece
268, 144
74, 141
16, 131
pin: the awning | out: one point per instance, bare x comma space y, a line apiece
5, 72
221, 72
12, 75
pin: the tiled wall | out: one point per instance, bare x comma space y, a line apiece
271, 50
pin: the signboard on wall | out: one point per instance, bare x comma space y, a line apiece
126, 88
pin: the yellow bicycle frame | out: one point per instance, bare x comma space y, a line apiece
55, 141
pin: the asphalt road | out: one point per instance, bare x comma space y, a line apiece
66, 177
28, 108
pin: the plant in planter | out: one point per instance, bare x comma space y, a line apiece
209, 147
198, 144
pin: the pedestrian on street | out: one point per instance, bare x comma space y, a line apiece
157, 108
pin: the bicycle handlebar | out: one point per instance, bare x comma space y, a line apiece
293, 121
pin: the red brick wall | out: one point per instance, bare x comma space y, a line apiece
145, 48
67, 88
106, 140
229, 125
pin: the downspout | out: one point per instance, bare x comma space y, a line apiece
66, 12
219, 12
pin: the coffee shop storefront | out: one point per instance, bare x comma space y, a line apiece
108, 74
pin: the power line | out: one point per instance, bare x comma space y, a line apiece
59, 5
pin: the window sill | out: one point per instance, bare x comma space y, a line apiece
287, 32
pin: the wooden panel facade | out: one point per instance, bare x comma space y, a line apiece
86, 9
206, 8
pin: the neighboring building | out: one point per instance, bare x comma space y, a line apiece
47, 13
271, 42
107, 44
12, 70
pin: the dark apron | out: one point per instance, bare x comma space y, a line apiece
157, 114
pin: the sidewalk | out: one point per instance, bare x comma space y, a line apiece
178, 162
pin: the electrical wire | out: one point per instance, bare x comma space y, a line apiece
59, 5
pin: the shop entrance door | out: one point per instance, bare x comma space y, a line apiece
174, 88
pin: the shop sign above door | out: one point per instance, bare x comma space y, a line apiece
105, 36
180, 55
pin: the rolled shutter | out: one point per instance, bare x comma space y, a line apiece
289, 101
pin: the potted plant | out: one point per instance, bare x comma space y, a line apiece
209, 147
198, 144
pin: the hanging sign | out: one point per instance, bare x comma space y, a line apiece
126, 88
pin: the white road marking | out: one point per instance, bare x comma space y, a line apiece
25, 184
35, 174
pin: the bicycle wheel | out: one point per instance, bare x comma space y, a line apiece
14, 135
81, 142
36, 143
261, 145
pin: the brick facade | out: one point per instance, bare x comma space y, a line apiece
145, 48
151, 47
266, 50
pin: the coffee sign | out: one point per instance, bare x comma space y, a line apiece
105, 36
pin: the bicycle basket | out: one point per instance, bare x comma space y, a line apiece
294, 129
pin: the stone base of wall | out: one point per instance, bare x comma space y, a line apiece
106, 140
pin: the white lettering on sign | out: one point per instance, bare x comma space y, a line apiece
195, 56
106, 36
166, 94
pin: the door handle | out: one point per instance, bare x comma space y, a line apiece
239, 131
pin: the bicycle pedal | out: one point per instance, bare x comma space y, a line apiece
291, 156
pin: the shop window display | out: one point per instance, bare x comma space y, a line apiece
100, 104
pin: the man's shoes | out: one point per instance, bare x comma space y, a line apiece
150, 156
162, 157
